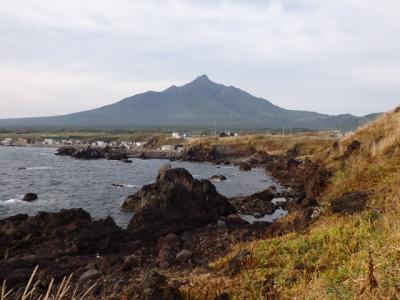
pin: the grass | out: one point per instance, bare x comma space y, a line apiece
309, 144
64, 290
338, 257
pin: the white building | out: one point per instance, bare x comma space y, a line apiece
176, 135
7, 142
101, 144
168, 147
49, 142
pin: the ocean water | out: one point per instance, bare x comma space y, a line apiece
64, 182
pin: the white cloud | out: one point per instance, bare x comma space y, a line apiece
329, 56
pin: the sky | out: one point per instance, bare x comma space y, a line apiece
333, 56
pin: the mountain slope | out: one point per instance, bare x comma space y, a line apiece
200, 103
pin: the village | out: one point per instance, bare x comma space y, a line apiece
174, 141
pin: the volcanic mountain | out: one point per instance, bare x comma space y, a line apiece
200, 103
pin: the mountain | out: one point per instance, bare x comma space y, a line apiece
200, 103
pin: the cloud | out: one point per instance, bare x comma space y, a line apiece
328, 56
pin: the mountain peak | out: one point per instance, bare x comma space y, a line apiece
202, 79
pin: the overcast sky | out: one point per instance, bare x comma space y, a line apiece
334, 56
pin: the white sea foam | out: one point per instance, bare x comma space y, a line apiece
267, 218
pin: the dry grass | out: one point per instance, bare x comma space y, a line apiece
64, 290
339, 257
273, 144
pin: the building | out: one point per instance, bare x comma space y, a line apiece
7, 142
49, 142
176, 135
167, 147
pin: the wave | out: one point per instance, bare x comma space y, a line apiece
12, 200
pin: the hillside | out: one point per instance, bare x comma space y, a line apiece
200, 103
340, 256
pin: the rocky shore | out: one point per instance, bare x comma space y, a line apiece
180, 223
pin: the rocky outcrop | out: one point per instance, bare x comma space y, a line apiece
218, 178
349, 203
175, 202
111, 153
61, 243
305, 175
244, 166
257, 203
153, 287
28, 197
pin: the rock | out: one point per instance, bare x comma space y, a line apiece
62, 243
117, 185
256, 203
90, 275
244, 166
349, 203
218, 178
309, 202
66, 151
184, 256
30, 197
153, 287
168, 248
176, 202
294, 151
223, 296
221, 224
235, 263
353, 146
132, 203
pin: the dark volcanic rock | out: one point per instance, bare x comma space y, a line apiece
111, 153
66, 151
244, 166
218, 177
306, 175
30, 197
349, 203
61, 243
154, 287
256, 203
174, 203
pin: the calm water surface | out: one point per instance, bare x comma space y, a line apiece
64, 182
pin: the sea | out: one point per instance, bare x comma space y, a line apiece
98, 186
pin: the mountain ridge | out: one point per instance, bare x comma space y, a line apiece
199, 103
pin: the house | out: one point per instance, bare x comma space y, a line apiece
167, 147
49, 142
184, 135
7, 142
176, 135
228, 133
20, 142
101, 144
138, 144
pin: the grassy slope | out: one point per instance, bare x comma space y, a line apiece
332, 259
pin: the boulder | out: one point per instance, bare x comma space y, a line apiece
349, 203
184, 256
28, 197
153, 287
174, 203
244, 166
168, 247
235, 263
218, 177
90, 275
